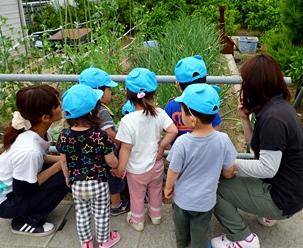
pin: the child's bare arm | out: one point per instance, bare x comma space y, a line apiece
112, 134
229, 172
170, 135
111, 160
124, 154
170, 182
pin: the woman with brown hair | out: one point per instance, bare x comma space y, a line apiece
270, 185
29, 191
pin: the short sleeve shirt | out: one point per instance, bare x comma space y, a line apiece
85, 151
106, 117
144, 134
199, 162
23, 161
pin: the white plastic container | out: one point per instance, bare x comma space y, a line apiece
248, 44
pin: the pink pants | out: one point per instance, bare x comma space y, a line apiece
139, 184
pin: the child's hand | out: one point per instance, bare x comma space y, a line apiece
168, 193
230, 172
67, 182
160, 153
118, 173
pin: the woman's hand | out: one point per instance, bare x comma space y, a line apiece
243, 112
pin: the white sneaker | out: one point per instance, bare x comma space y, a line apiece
138, 226
223, 242
266, 222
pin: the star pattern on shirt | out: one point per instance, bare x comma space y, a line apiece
99, 157
87, 149
62, 139
74, 157
76, 172
86, 160
72, 140
84, 170
81, 138
95, 168
95, 136
70, 149
72, 164
98, 149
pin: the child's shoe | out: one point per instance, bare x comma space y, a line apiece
223, 242
114, 238
138, 226
88, 244
123, 208
155, 220
266, 222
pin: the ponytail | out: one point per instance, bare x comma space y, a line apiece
146, 101
10, 135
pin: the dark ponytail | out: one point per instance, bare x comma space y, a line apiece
147, 102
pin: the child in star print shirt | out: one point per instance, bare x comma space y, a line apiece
86, 150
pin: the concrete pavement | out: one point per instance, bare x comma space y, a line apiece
287, 233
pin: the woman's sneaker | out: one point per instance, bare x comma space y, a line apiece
138, 226
223, 242
266, 222
123, 208
114, 238
24, 228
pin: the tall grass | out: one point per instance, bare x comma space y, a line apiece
185, 37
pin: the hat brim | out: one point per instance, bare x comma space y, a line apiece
179, 99
111, 84
99, 94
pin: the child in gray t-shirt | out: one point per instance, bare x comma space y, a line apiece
197, 160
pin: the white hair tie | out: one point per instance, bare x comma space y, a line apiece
18, 122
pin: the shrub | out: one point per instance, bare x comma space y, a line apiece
292, 19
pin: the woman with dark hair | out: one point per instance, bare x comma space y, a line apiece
29, 191
270, 185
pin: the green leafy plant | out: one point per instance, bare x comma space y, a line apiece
185, 37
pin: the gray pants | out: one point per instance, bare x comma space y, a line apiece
248, 194
191, 227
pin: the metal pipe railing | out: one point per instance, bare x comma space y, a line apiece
119, 78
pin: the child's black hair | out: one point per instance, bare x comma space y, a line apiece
146, 102
91, 119
203, 118
197, 81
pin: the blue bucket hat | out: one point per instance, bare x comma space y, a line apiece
128, 107
185, 69
95, 78
79, 100
202, 98
141, 80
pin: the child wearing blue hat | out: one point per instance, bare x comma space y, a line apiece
189, 70
99, 79
142, 147
127, 108
196, 162
85, 148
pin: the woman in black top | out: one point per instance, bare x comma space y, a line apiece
271, 184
